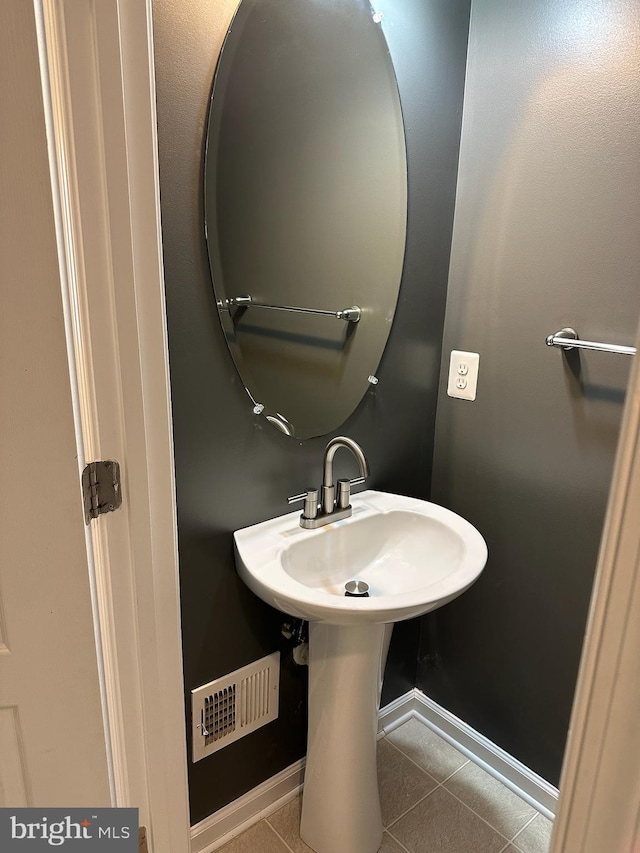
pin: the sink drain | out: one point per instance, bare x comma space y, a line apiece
356, 589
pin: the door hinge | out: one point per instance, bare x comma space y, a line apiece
101, 488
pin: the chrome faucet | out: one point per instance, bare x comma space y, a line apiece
332, 508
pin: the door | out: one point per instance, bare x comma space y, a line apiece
52, 742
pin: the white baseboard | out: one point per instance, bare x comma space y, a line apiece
396, 713
215, 831
520, 779
219, 828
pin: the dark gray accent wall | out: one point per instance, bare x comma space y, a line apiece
546, 235
232, 468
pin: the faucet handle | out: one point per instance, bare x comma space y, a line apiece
343, 498
344, 494
310, 498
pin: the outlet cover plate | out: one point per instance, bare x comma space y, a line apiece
463, 375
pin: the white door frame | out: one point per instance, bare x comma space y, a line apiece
98, 70
98, 86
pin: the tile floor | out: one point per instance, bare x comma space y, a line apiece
434, 800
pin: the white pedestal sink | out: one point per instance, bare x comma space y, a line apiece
415, 556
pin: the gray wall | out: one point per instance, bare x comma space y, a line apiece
232, 468
546, 235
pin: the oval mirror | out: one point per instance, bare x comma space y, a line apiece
306, 205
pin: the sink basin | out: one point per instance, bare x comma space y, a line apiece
414, 555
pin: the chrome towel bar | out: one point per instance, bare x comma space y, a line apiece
351, 315
568, 339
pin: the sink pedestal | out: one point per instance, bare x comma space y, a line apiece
341, 803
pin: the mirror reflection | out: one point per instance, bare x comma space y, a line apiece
305, 205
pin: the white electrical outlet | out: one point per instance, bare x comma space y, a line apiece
463, 375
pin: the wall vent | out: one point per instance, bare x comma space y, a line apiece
231, 707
